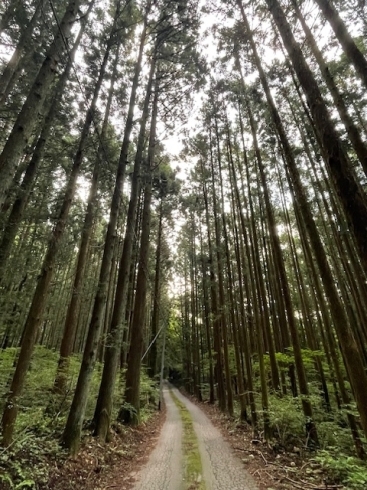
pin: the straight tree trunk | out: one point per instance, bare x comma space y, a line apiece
24, 45
349, 46
218, 360
131, 415
358, 144
349, 190
221, 296
347, 341
15, 217
70, 325
72, 432
103, 409
243, 283
44, 279
28, 117
156, 297
207, 320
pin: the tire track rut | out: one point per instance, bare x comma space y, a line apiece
222, 469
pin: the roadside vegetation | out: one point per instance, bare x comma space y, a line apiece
193, 471
190, 175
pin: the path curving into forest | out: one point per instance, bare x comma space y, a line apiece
222, 469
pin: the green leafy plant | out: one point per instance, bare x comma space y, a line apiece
343, 469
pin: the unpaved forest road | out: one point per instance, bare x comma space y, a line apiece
222, 470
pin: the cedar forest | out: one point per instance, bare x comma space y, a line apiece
189, 177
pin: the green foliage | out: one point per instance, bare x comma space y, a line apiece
287, 419
193, 467
149, 395
343, 469
25, 464
42, 416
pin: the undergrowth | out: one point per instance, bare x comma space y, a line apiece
336, 453
42, 417
335, 456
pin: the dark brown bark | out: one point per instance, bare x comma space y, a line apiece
219, 263
131, 414
156, 297
68, 337
25, 188
347, 341
71, 436
349, 46
218, 361
105, 395
352, 130
348, 188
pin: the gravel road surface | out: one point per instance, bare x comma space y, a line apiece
222, 469
164, 468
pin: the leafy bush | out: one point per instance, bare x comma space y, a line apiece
343, 469
42, 415
287, 419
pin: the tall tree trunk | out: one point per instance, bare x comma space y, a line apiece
132, 387
72, 432
349, 46
28, 116
44, 279
221, 295
156, 297
15, 216
348, 344
207, 320
352, 130
105, 396
24, 45
243, 284
68, 337
348, 188
218, 360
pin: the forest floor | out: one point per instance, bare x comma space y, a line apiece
273, 468
108, 466
150, 457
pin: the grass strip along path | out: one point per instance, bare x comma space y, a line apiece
193, 471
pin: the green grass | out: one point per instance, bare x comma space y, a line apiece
193, 471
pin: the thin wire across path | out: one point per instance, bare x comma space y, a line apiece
222, 469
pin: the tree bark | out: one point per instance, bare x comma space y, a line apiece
68, 337
358, 144
348, 188
349, 46
24, 45
71, 436
28, 116
131, 413
12, 225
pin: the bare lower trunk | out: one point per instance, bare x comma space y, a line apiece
131, 414
113, 349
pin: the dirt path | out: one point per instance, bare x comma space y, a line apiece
222, 469
164, 468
